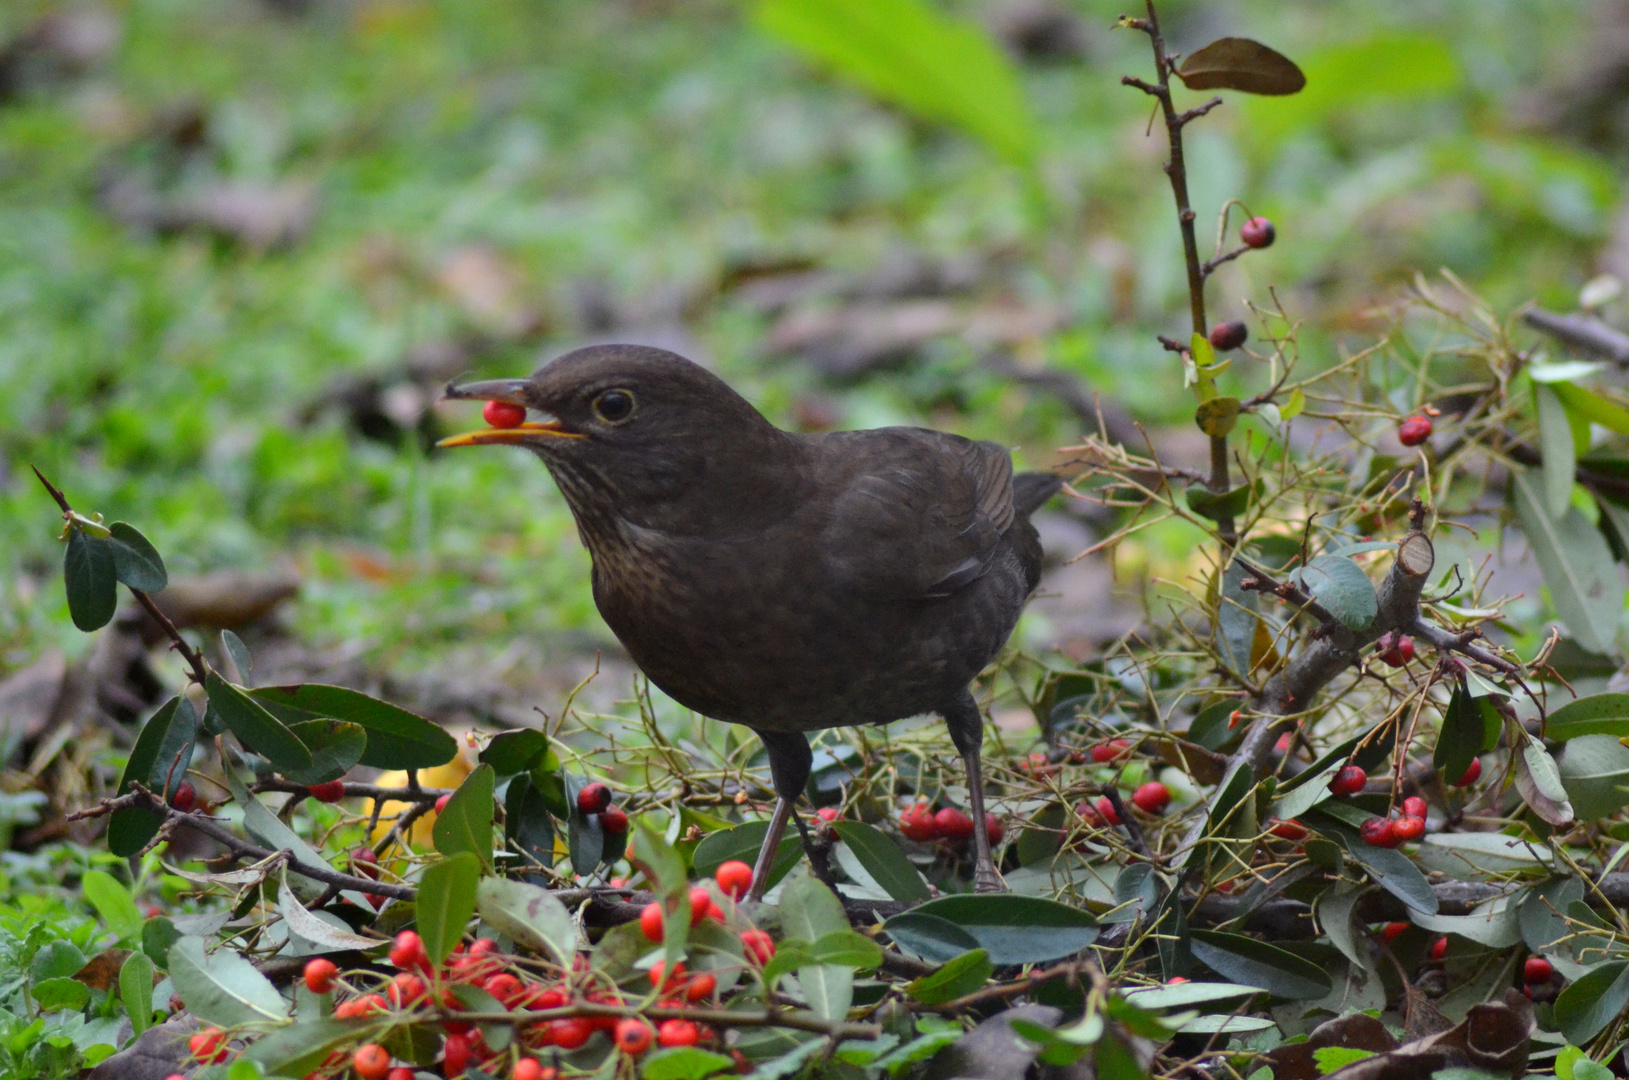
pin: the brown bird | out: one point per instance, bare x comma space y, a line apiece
783, 581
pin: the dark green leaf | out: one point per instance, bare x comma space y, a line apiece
1236, 622
1538, 781
527, 825
742, 843
515, 751
136, 991
810, 911
1209, 728
1042, 840
1342, 588
135, 561
1394, 872
1136, 893
397, 739
446, 901
157, 935
1594, 1001
1013, 929
1560, 459
259, 730
1598, 714
1245, 960
1461, 738
930, 937
883, 860
162, 753
336, 747
92, 581
1115, 1061
1226, 504
1577, 565
585, 840
685, 1063
529, 916
239, 652
1543, 912
465, 823
1595, 774
957, 978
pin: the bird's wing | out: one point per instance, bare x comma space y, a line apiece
919, 513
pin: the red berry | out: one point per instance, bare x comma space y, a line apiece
678, 1033
614, 819
502, 414
185, 797
650, 921
407, 951
527, 1069
1537, 970
1414, 431
571, 1032
1226, 336
1394, 649
701, 987
371, 1061
1414, 806
1089, 815
1349, 781
1258, 232
1407, 828
1472, 774
331, 792
954, 826
1152, 798
319, 975
827, 813
1105, 810
919, 824
1103, 753
1379, 832
441, 803
593, 798
734, 879
701, 904
455, 1056
503, 986
1176, 980
759, 946
633, 1036
1291, 830
1392, 931
208, 1045
405, 989
1439, 948
364, 863
993, 828
660, 978
398, 1073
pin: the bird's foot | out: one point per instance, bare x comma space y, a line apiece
988, 881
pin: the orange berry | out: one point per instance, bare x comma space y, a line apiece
319, 975
734, 879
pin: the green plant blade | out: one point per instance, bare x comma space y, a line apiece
92, 580
135, 561
397, 739
446, 901
883, 860
465, 823
259, 730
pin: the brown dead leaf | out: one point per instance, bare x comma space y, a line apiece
102, 973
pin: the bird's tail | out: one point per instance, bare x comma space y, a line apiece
1031, 490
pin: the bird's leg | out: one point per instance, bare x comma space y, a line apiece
967, 732
789, 762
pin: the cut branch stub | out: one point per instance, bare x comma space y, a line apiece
1416, 555
1233, 63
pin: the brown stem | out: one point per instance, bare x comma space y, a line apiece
365, 791
799, 1021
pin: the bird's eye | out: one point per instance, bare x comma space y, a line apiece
614, 406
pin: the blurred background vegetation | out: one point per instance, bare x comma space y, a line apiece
243, 243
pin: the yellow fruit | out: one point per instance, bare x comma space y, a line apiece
447, 776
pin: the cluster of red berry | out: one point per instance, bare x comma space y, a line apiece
921, 823
1151, 798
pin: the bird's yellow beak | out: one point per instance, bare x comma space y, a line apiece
507, 391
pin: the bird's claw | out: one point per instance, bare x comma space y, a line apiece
988, 881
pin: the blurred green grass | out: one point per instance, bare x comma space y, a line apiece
648, 151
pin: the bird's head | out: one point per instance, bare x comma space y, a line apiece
634, 430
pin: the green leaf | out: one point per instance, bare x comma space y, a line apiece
1577, 566
56, 959
1592, 406
1236, 623
1226, 504
1598, 714
846, 947
113, 903
1217, 416
1560, 459
263, 827
1013, 929
1330, 1058
318, 928
1596, 999
1341, 586
883, 860
239, 652
809, 911
1394, 872
529, 916
527, 825
136, 991
743, 843
957, 978
397, 739
92, 580
930, 937
512, 752
336, 746
1542, 915
157, 935
299, 1048
585, 839
1256, 963
1595, 774
222, 988
661, 863
135, 561
1493, 924
936, 65
60, 993
465, 823
162, 752
259, 730
1538, 781
1182, 995
1233, 63
1462, 736
446, 901
685, 1063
